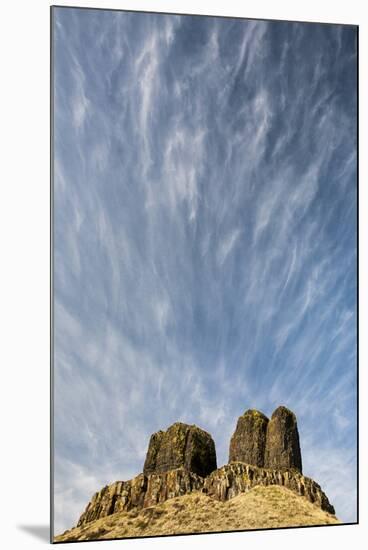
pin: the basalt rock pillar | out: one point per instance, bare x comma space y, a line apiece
248, 442
282, 441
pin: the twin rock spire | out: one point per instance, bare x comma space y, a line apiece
267, 443
257, 441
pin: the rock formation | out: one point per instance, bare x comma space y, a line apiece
282, 442
182, 460
181, 446
248, 442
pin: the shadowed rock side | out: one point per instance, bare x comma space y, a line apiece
248, 442
181, 446
282, 441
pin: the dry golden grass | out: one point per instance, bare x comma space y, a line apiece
262, 507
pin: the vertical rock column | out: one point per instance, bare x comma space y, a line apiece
248, 442
282, 442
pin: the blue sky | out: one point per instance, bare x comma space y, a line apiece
204, 239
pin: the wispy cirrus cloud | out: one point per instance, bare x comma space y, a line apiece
205, 245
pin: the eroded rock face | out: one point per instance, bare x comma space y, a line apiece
161, 487
282, 441
248, 442
235, 478
223, 484
181, 446
140, 492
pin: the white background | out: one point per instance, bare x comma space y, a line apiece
24, 271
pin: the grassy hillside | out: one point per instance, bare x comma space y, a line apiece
262, 507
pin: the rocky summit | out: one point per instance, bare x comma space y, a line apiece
181, 446
181, 461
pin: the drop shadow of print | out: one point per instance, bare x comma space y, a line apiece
40, 532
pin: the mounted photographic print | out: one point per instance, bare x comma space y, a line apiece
204, 274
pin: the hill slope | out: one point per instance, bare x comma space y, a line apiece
260, 508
